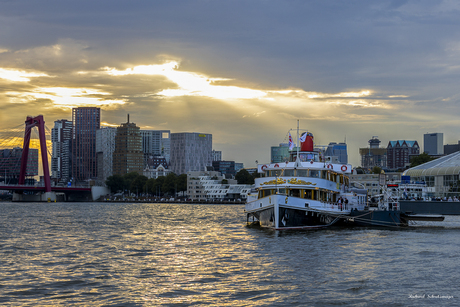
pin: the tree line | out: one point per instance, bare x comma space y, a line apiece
133, 182
162, 186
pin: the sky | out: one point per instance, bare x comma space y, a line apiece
244, 71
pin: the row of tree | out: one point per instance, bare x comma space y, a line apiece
164, 185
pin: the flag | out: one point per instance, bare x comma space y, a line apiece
303, 137
291, 143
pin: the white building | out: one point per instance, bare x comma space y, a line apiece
105, 146
190, 152
441, 174
216, 155
370, 182
61, 138
433, 144
155, 172
213, 186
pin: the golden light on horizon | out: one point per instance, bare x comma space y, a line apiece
65, 97
189, 83
16, 75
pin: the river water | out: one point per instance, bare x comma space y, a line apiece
100, 254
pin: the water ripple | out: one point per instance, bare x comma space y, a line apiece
193, 255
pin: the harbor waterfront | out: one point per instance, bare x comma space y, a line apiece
145, 254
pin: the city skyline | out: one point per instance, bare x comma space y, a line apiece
243, 72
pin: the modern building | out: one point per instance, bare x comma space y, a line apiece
451, 148
61, 142
226, 168
373, 155
156, 143
238, 166
190, 152
128, 156
105, 147
338, 150
10, 164
433, 144
279, 153
216, 155
399, 153
441, 175
86, 121
208, 186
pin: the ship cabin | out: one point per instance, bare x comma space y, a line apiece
305, 176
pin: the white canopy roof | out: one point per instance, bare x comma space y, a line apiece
447, 165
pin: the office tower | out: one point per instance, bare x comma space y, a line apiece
226, 168
216, 155
338, 150
279, 153
86, 120
373, 155
451, 148
399, 153
61, 138
238, 166
156, 143
433, 144
105, 146
190, 151
128, 156
10, 164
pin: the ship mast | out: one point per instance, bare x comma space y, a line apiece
298, 147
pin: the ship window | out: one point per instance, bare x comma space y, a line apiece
282, 191
302, 173
323, 174
289, 172
294, 192
314, 174
275, 173
265, 193
307, 194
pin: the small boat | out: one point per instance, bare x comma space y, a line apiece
306, 192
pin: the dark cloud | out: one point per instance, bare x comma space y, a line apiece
393, 48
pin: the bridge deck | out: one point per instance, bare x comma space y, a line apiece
42, 188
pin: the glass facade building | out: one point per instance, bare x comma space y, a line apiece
86, 121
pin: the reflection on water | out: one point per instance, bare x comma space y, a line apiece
162, 254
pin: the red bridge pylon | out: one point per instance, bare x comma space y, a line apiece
30, 123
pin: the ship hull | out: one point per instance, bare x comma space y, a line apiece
377, 218
280, 214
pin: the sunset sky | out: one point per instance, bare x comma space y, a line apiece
244, 71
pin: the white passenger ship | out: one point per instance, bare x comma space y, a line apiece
305, 192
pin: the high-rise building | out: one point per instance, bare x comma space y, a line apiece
399, 153
238, 166
433, 144
190, 151
10, 164
128, 156
226, 168
451, 148
338, 150
61, 138
279, 153
373, 155
86, 120
216, 155
105, 146
156, 143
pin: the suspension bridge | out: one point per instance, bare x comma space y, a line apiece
18, 178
